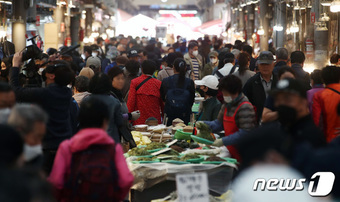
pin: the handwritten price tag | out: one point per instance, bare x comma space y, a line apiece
192, 187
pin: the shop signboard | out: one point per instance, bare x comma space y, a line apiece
37, 20
312, 17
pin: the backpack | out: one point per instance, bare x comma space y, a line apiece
93, 175
177, 100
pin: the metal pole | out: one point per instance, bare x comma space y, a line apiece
19, 25
281, 36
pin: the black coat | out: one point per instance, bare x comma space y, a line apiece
255, 92
56, 100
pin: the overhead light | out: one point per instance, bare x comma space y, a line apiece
260, 31
326, 3
278, 27
294, 28
322, 26
335, 6
164, 1
324, 17
243, 5
297, 7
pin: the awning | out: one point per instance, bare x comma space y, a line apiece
214, 27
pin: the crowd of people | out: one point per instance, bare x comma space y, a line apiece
77, 111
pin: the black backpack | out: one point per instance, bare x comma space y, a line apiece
177, 100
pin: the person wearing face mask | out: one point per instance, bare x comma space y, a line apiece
30, 121
117, 76
236, 117
211, 106
209, 67
290, 100
6, 64
193, 59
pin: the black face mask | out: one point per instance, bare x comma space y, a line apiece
4, 73
287, 115
201, 92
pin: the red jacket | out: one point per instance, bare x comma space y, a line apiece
147, 99
325, 105
79, 142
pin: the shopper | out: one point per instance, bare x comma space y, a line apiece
290, 100
91, 160
248, 49
144, 94
7, 96
117, 78
236, 115
178, 93
326, 103
270, 113
211, 106
131, 71
167, 71
257, 87
55, 99
81, 88
209, 67
11, 148
100, 86
317, 85
228, 67
194, 60
94, 63
30, 121
281, 59
298, 59
243, 71
120, 62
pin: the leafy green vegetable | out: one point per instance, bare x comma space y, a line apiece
204, 131
190, 156
138, 152
155, 145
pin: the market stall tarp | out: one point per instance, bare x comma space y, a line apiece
214, 27
148, 175
139, 25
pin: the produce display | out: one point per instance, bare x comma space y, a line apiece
184, 151
214, 158
204, 131
155, 145
138, 152
189, 157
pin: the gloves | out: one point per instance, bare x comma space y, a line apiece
135, 115
218, 143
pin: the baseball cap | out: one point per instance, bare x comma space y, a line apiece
95, 61
265, 57
132, 53
208, 81
290, 85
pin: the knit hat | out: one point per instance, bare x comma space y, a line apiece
95, 61
86, 71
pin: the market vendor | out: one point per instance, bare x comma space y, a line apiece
236, 116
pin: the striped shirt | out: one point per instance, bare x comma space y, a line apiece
195, 68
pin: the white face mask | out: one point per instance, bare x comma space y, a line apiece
227, 99
30, 152
195, 53
213, 60
83, 56
94, 54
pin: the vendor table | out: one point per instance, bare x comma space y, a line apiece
157, 180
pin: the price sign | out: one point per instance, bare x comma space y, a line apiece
192, 187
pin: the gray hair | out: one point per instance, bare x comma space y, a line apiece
24, 116
281, 54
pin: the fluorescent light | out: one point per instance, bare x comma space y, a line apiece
335, 6
294, 28
164, 1
278, 28
260, 31
326, 3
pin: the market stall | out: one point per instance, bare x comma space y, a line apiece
163, 152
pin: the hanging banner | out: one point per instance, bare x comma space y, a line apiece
312, 17
37, 20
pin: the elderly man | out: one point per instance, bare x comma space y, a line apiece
30, 121
257, 87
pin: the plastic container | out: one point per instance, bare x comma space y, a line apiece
180, 135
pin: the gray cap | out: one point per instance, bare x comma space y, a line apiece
265, 57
